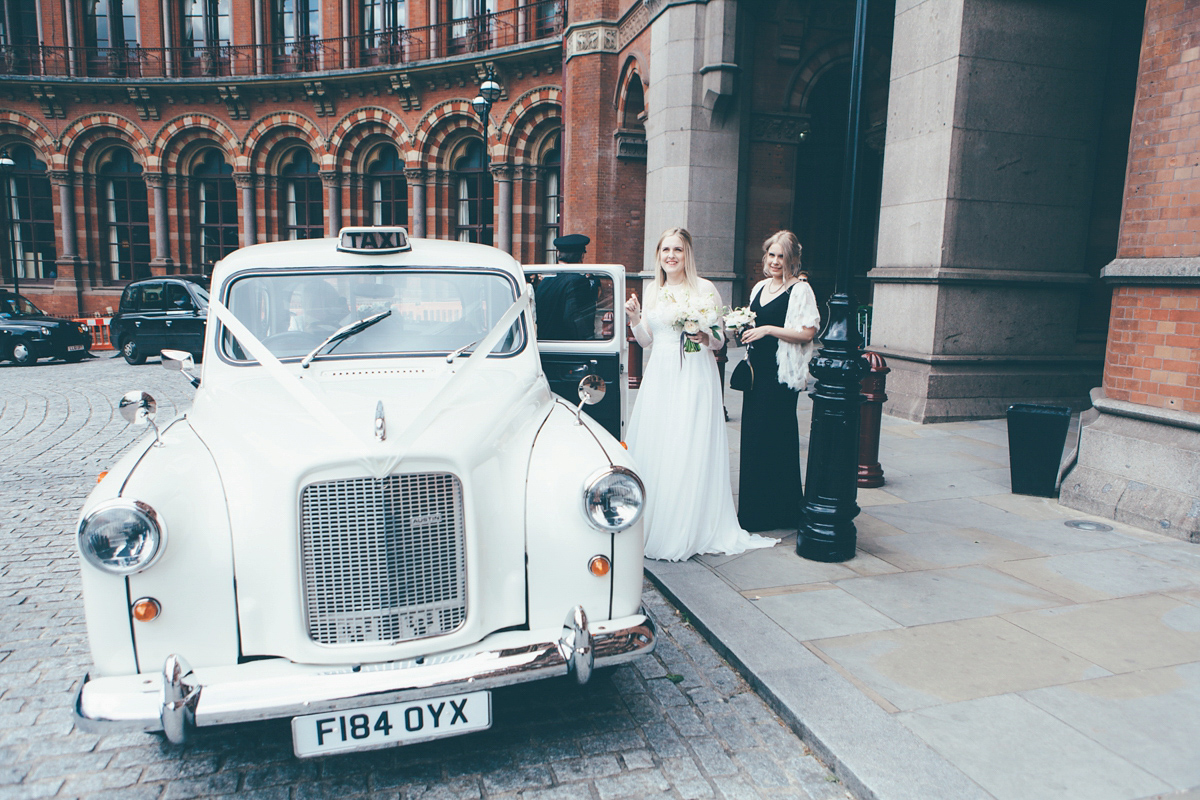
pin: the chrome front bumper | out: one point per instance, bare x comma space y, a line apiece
276, 688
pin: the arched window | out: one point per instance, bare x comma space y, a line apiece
125, 217
386, 202
300, 197
110, 29
207, 35
214, 199
28, 236
382, 21
551, 205
472, 196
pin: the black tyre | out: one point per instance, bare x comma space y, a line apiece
133, 354
22, 353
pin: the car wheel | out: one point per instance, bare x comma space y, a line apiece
22, 354
133, 354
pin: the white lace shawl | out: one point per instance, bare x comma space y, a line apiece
802, 313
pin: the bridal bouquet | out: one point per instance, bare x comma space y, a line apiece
739, 319
690, 315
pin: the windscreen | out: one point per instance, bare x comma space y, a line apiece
432, 312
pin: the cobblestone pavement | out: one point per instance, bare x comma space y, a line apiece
681, 724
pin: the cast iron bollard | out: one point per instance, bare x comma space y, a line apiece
870, 473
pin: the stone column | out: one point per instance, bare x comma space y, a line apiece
168, 40
502, 175
333, 205
694, 136
986, 201
162, 229
70, 276
247, 183
416, 179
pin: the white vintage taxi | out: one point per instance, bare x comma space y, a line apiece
375, 512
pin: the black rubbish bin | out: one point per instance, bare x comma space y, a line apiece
1036, 435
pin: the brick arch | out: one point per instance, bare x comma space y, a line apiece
807, 74
631, 68
265, 131
356, 126
438, 125
14, 123
526, 114
87, 129
175, 136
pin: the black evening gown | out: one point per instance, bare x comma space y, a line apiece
769, 490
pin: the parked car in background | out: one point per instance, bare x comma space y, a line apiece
376, 511
165, 312
27, 334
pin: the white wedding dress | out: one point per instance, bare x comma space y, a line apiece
678, 439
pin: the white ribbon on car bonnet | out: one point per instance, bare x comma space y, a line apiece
378, 466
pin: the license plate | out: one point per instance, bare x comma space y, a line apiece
391, 724
73, 347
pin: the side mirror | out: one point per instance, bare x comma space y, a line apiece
591, 391
180, 361
138, 408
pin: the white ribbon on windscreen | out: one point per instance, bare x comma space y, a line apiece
377, 465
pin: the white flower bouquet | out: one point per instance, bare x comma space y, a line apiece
739, 319
690, 315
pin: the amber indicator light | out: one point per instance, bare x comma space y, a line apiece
102, 476
146, 609
599, 566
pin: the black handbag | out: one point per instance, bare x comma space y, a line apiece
742, 378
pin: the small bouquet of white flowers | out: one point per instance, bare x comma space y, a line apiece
690, 315
739, 319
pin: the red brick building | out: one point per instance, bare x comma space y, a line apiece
1029, 170
153, 138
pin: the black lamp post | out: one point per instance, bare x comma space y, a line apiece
6, 168
827, 531
489, 93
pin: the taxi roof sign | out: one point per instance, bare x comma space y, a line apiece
373, 240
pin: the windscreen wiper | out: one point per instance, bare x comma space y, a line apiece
344, 333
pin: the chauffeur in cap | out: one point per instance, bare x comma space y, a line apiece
566, 303
571, 247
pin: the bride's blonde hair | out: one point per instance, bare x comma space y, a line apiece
689, 262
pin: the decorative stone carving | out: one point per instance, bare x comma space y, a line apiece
406, 91
779, 128
155, 180
61, 177
322, 103
415, 175
631, 145
245, 180
140, 97
46, 96
233, 102
502, 172
600, 38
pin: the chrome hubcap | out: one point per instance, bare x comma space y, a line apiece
21, 352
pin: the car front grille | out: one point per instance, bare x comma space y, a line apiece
383, 560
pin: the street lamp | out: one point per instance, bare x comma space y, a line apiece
827, 532
6, 168
489, 93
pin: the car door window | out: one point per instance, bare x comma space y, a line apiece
178, 298
132, 299
152, 297
573, 307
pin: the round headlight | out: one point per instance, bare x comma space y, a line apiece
45, 331
121, 536
613, 499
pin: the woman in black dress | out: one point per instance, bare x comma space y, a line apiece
780, 346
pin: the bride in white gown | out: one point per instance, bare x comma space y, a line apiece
677, 433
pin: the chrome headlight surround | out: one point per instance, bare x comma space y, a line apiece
121, 536
613, 499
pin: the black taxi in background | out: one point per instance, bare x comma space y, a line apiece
27, 334
165, 312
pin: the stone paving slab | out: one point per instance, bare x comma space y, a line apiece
983, 648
